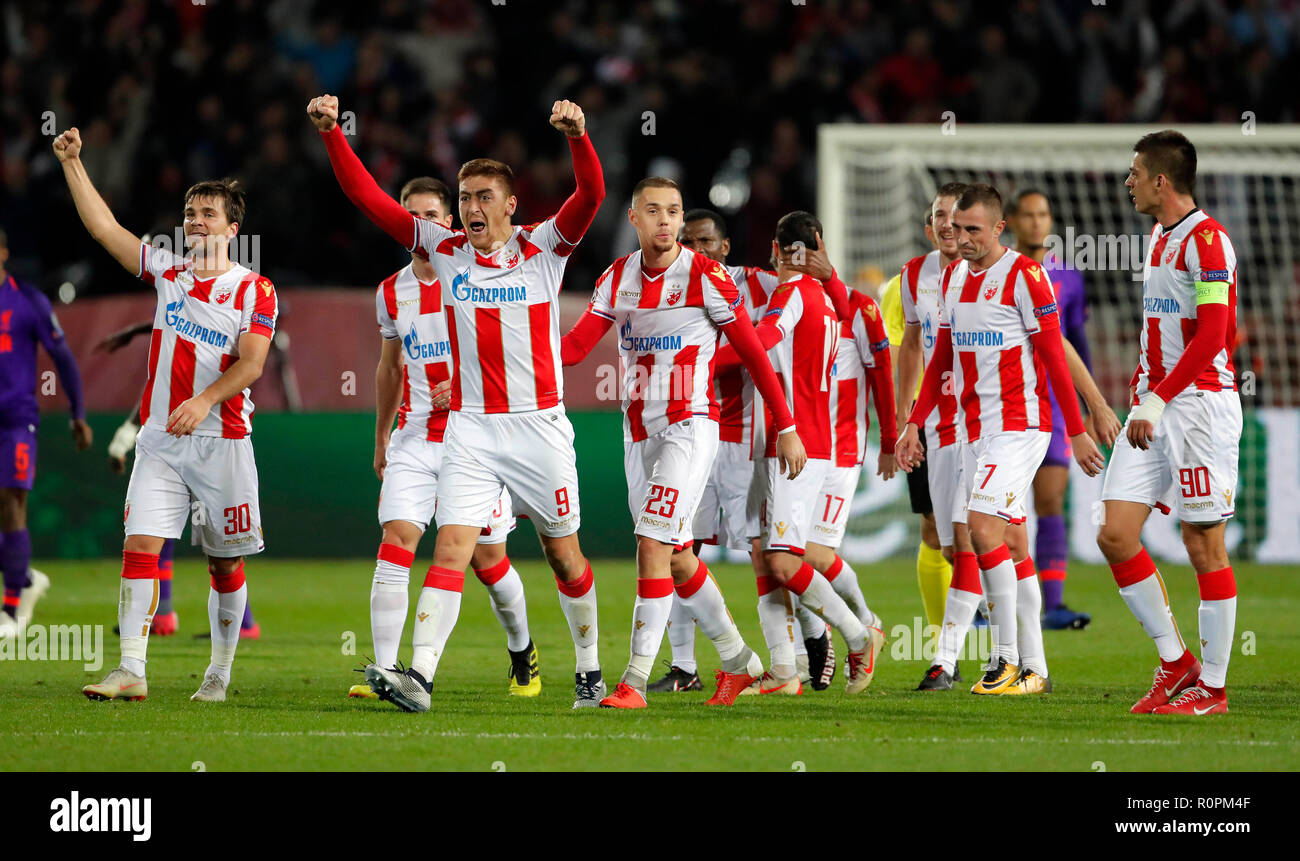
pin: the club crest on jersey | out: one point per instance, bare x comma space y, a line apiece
992, 289
1169, 258
222, 294
674, 294
510, 258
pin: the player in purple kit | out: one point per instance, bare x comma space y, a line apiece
1031, 221
25, 320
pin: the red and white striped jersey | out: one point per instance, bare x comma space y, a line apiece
1185, 264
861, 338
503, 319
412, 310
667, 336
196, 329
802, 360
1001, 383
733, 385
919, 292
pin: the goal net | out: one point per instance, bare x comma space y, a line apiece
875, 184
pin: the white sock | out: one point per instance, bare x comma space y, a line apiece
654, 601
1149, 602
811, 627
137, 600
436, 612
1029, 603
844, 580
1218, 618
704, 603
225, 613
999, 578
958, 613
776, 616
389, 601
681, 636
818, 595
506, 591
578, 601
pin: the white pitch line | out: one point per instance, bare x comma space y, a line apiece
512, 736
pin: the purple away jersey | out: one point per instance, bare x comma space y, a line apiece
1072, 302
26, 319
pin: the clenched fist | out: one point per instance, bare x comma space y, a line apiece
568, 118
324, 112
67, 146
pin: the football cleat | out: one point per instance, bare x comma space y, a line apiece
362, 691
164, 625
1197, 700
30, 594
1063, 618
624, 697
118, 685
821, 661
997, 677
588, 689
405, 689
861, 666
9, 627
213, 690
525, 677
677, 679
936, 679
1171, 679
1028, 682
730, 686
770, 684
254, 632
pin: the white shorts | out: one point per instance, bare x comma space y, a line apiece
943, 473
831, 509
998, 471
208, 480
666, 474
787, 508
528, 454
410, 488
1192, 460
720, 517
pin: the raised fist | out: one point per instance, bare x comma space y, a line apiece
67, 146
568, 118
324, 112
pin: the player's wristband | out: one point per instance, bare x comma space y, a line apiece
1150, 410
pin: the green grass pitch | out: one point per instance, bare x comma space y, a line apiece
288, 707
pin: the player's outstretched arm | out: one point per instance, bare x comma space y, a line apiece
1105, 424
911, 362
578, 342
388, 397
94, 212
239, 376
355, 180
576, 214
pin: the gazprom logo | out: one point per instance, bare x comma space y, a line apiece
174, 311
927, 333
976, 339
191, 330
625, 334
463, 291
417, 350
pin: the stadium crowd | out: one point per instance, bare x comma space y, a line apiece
183, 90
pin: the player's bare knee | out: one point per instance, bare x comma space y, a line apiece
819, 556
1206, 549
684, 563
987, 532
565, 558
1117, 543
402, 534
223, 566
487, 555
782, 565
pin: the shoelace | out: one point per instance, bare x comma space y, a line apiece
855, 661
1195, 692
992, 673
587, 690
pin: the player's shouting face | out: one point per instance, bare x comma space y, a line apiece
656, 214
486, 205
208, 230
977, 231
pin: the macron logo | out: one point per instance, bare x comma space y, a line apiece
131, 815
